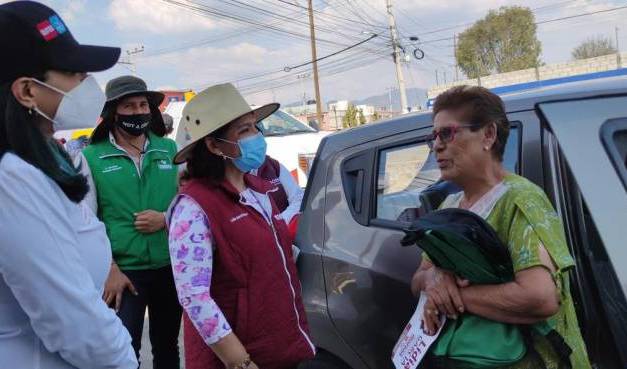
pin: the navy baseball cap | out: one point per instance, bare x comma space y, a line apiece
35, 39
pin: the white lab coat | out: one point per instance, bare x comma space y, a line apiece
54, 260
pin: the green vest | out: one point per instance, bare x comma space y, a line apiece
122, 192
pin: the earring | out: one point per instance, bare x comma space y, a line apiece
30, 111
486, 148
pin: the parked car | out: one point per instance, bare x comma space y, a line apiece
571, 140
290, 141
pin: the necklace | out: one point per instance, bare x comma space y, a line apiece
141, 151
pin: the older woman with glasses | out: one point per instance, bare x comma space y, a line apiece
469, 138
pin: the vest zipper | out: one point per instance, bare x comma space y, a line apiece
289, 278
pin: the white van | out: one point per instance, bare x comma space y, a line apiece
291, 142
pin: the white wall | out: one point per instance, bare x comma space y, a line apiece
571, 68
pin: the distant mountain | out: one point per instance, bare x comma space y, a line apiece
415, 97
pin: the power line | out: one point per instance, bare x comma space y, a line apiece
359, 56
535, 10
240, 4
549, 6
204, 10
582, 15
401, 30
381, 12
410, 19
335, 21
355, 11
356, 57
287, 69
360, 64
328, 19
330, 15
206, 41
325, 66
341, 67
353, 56
542, 22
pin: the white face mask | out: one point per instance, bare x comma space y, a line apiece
79, 108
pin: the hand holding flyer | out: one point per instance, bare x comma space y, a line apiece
414, 343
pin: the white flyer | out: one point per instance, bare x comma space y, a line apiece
413, 344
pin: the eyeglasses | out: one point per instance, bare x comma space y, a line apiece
446, 134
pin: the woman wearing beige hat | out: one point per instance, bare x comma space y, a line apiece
230, 248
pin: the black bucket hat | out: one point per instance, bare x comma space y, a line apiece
126, 86
35, 39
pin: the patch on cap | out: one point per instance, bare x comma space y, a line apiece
51, 28
58, 25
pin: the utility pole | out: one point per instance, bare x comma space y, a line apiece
314, 57
301, 77
390, 89
618, 59
397, 57
131, 54
455, 56
437, 80
129, 58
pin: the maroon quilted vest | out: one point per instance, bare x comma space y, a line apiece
254, 280
270, 170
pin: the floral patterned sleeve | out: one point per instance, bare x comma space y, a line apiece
191, 252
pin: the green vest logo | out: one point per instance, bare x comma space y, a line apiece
111, 168
164, 165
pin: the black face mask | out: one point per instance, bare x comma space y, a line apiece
135, 124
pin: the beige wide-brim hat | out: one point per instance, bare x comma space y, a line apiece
211, 110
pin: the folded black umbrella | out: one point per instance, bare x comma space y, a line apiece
464, 243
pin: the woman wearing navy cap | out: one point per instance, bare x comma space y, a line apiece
54, 253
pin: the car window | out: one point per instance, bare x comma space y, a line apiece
281, 123
406, 171
614, 138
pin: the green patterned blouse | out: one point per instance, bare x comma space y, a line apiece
524, 219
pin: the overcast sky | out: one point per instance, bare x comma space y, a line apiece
184, 49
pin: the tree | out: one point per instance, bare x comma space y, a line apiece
350, 117
593, 47
504, 41
376, 116
362, 118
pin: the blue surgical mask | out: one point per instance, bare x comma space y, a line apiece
252, 152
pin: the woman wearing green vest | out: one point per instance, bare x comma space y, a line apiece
129, 167
469, 137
